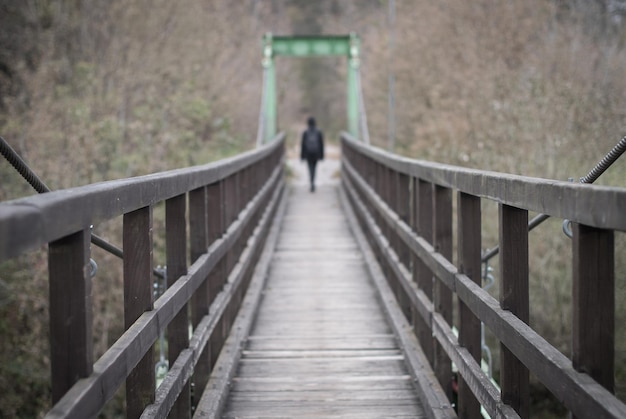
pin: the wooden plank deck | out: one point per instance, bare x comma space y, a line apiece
320, 345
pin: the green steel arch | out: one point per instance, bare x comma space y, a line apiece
308, 46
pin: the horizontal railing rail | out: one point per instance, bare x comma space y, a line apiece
406, 209
229, 205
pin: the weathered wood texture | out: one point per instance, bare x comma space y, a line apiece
71, 340
224, 239
469, 254
321, 345
514, 376
583, 384
176, 259
137, 241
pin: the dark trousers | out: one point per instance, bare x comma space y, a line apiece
312, 162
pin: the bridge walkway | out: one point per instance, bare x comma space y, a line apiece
321, 345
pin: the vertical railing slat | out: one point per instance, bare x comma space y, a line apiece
421, 274
593, 302
404, 254
469, 260
71, 340
442, 295
137, 241
216, 228
198, 245
514, 376
176, 259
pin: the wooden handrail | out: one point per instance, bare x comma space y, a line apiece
40, 219
231, 203
374, 181
576, 202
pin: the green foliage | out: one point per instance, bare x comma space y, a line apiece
23, 348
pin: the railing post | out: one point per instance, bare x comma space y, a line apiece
469, 246
176, 259
423, 218
514, 376
71, 342
442, 295
199, 243
404, 254
216, 228
137, 240
230, 210
593, 303
404, 210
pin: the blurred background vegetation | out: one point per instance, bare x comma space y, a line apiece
93, 90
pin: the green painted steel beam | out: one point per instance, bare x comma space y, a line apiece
310, 46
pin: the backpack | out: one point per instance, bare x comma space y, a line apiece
311, 143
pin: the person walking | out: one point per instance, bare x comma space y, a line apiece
312, 148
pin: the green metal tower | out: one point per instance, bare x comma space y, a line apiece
308, 46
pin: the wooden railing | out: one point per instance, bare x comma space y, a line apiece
230, 206
406, 209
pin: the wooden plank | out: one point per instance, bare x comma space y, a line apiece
375, 342
311, 367
442, 295
425, 252
323, 384
593, 304
211, 324
318, 352
469, 261
216, 228
421, 274
137, 239
514, 376
176, 259
479, 382
198, 244
213, 397
353, 408
404, 212
198, 223
329, 396
435, 402
481, 385
71, 335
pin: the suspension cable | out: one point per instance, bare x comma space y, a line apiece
23, 169
606, 162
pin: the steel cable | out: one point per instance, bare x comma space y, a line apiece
22, 168
606, 162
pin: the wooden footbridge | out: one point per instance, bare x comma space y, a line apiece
337, 303
360, 300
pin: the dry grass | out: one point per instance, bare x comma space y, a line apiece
128, 88
533, 88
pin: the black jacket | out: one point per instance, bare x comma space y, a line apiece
318, 153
